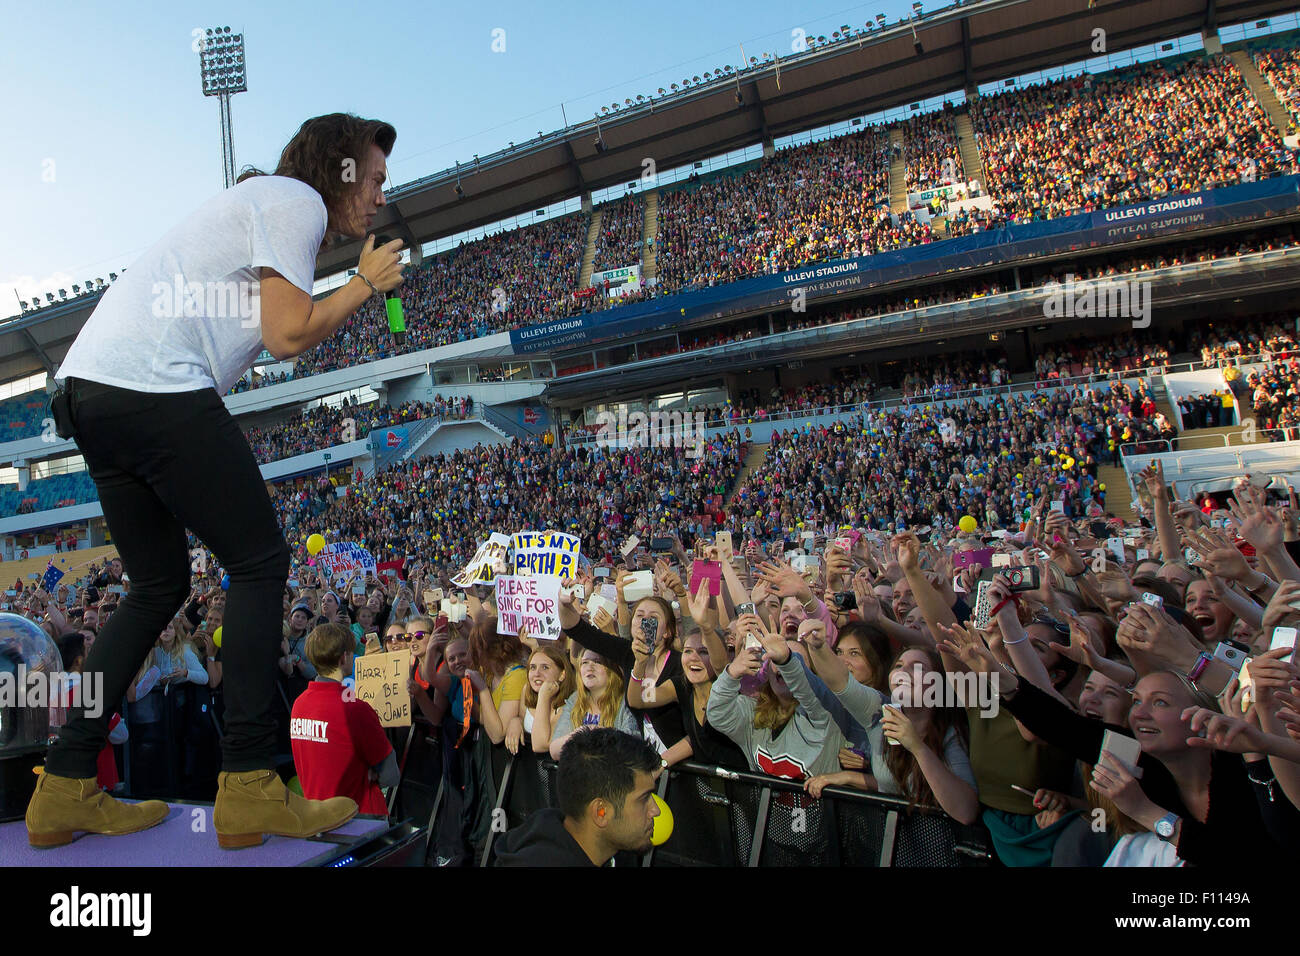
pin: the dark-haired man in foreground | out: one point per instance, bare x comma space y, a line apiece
606, 786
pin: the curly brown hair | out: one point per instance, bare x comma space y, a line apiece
319, 150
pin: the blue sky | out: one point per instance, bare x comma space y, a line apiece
105, 100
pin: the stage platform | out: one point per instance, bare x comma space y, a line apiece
187, 839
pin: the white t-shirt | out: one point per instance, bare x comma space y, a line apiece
187, 314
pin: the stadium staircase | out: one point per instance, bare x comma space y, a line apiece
589, 257
1119, 496
649, 236
971, 160
755, 458
897, 172
1262, 90
503, 424
419, 433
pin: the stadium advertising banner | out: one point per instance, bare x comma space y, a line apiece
621, 281
819, 280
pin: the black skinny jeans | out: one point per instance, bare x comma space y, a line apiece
165, 462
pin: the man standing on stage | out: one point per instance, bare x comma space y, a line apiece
141, 392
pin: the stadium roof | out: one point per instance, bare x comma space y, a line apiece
960, 47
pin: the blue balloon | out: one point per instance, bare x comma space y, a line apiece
225, 582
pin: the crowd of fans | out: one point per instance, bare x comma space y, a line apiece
1228, 343
261, 379
1274, 396
823, 200
1121, 353
829, 665
928, 465
1085, 143
620, 240
933, 157
1282, 70
946, 377
1077, 144
440, 507
323, 426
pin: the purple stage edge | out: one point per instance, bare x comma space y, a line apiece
173, 842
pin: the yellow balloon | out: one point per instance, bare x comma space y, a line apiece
663, 823
1102, 486
216, 637
315, 544
967, 524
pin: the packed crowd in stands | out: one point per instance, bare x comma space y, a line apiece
261, 380
904, 468
1282, 70
1049, 151
1227, 343
933, 158
1086, 143
823, 200
1121, 353
943, 378
620, 241
749, 405
441, 507
323, 426
968, 290
1274, 397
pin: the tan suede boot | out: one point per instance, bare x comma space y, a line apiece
61, 807
252, 805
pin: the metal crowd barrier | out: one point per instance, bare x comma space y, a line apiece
741, 819
173, 744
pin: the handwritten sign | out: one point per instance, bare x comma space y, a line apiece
381, 683
531, 602
546, 552
342, 559
488, 561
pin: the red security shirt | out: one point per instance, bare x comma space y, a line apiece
335, 743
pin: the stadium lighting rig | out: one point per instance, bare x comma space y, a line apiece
222, 69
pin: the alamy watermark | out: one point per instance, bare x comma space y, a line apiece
921, 688
670, 429
1100, 298
23, 688
232, 299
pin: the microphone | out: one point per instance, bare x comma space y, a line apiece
393, 306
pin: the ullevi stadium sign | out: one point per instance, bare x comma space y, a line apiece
1167, 216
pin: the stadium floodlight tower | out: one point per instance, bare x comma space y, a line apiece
221, 66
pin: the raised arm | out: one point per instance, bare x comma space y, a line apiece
934, 608
727, 710
563, 727
487, 710
1166, 528
1023, 656
292, 322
